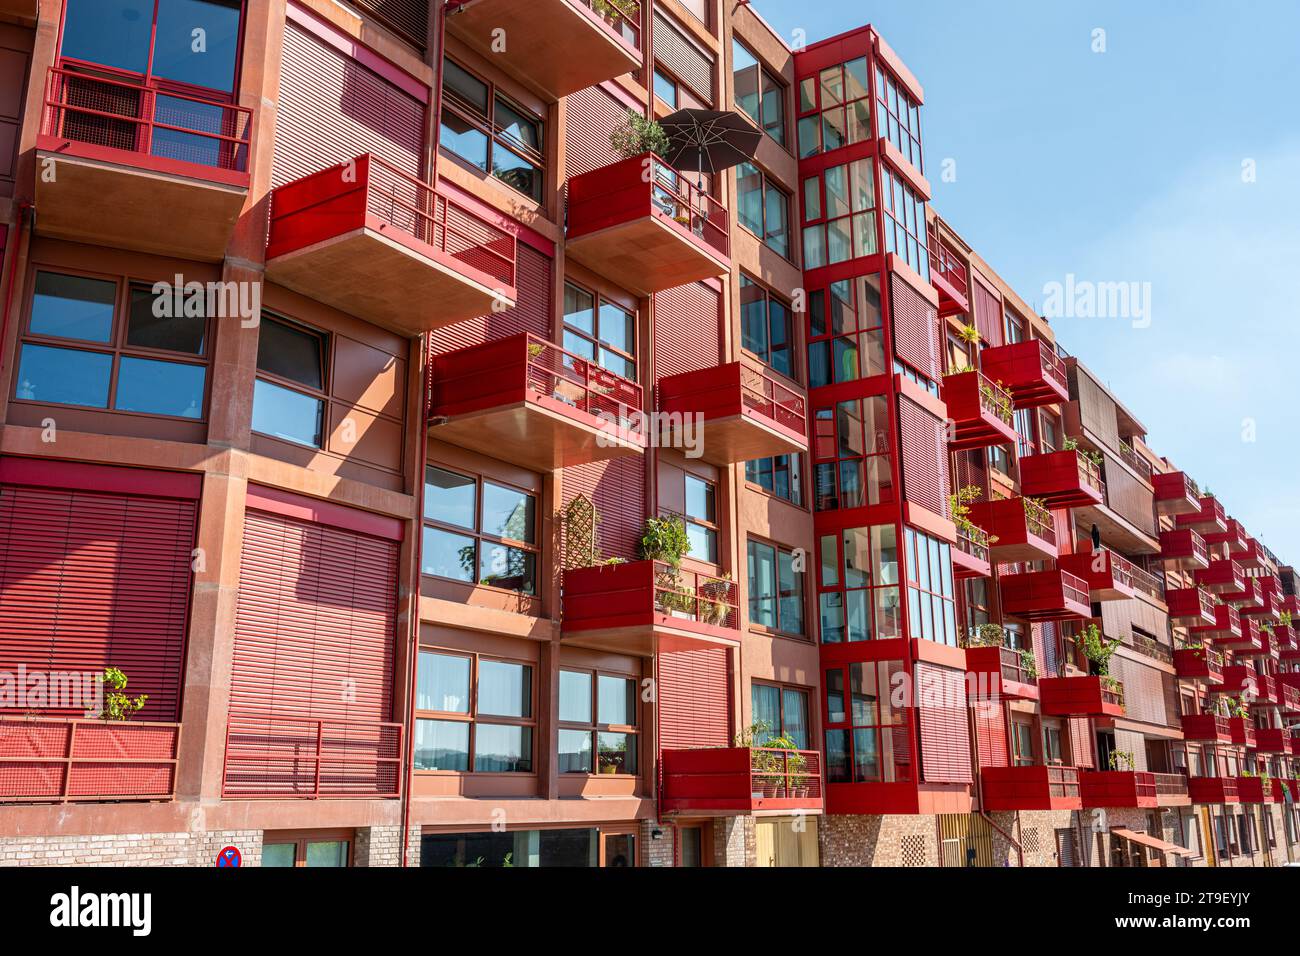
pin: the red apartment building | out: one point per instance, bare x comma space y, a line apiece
327, 331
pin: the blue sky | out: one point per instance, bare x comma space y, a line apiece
1127, 166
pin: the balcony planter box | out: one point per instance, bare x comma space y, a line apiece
745, 413
1045, 596
1208, 728
1213, 790
1190, 606
1183, 549
1222, 576
1175, 494
1031, 788
526, 401
1118, 788
980, 410
1080, 696
1203, 666
566, 47
1031, 370
1210, 518
1061, 479
1000, 672
1109, 576
646, 233
1020, 537
740, 781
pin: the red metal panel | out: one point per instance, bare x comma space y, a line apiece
991, 736
915, 328
686, 330
618, 490
332, 109
694, 692
1081, 742
924, 445
532, 313
945, 731
90, 581
592, 115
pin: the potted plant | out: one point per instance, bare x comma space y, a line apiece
611, 9
714, 607
788, 769
1071, 444
1028, 664
638, 136
986, 635
117, 706
969, 334
762, 762
1121, 760
1098, 649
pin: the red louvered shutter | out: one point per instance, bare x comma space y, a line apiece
90, 581
694, 693
532, 313
1081, 741
915, 328
924, 458
407, 18
988, 313
592, 115
972, 470
617, 488
945, 731
332, 109
316, 625
686, 330
991, 736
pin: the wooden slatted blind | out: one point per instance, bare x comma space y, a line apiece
618, 490
407, 18
991, 736
592, 115
688, 62
987, 306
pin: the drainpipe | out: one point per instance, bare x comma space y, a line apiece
24, 221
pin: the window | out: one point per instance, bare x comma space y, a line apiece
775, 589
665, 88
852, 445
845, 332
487, 130
1052, 752
600, 331
105, 343
702, 519
473, 712
763, 208
1049, 430
598, 717
783, 711
289, 394
766, 327
931, 603
899, 116
759, 94
1022, 743
283, 851
834, 108
859, 585
977, 603
781, 476
479, 531
905, 232
866, 736
839, 214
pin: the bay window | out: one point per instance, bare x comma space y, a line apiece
858, 584
854, 463
845, 332
899, 116
931, 601
839, 214
834, 108
866, 735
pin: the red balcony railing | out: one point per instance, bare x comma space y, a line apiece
1170, 785
1109, 576
53, 760
1020, 529
741, 780
1222, 576
1031, 788
1183, 549
165, 125
305, 758
647, 595
1198, 664
1118, 788
1272, 740
971, 558
1191, 606
950, 273
1005, 671
1213, 790
1053, 595
1062, 479
767, 397
1211, 728
981, 411
1031, 370
745, 413
1081, 696
1128, 454
1209, 519
1176, 494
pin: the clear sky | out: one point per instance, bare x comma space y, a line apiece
1127, 166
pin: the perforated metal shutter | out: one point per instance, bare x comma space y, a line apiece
89, 581
534, 271
945, 732
686, 329
332, 109
689, 63
988, 313
592, 115
316, 625
694, 693
618, 490
916, 325
924, 457
408, 18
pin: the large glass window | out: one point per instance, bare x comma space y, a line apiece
866, 736
845, 332
600, 331
766, 326
289, 395
781, 476
487, 130
781, 712
834, 108
858, 584
598, 723
776, 588
473, 712
479, 531
101, 343
702, 519
931, 601
899, 116
904, 211
854, 462
759, 94
763, 208
839, 214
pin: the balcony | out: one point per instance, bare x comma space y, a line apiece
971, 558
646, 233
372, 241
1081, 697
627, 607
566, 46
1255, 642
1119, 788
1109, 576
1272, 740
1003, 672
1039, 596
55, 760
1199, 665
164, 172
529, 402
1023, 529
305, 758
1251, 555
981, 412
1171, 790
948, 276
1209, 519
1263, 604
1176, 494
1183, 549
1031, 370
1213, 790
740, 780
1190, 606
1031, 788
1239, 680
1207, 728
1222, 576
742, 414
1233, 535
1288, 641
1252, 790
1062, 479
1240, 636
1242, 731
1288, 694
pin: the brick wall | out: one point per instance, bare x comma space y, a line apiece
381, 846
878, 841
661, 852
734, 842
131, 849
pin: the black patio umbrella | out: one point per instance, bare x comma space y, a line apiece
708, 141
